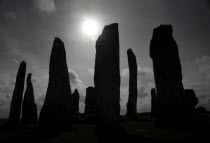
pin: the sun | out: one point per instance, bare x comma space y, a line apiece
90, 27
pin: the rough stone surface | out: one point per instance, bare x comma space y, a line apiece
190, 101
107, 83
90, 100
167, 71
15, 106
29, 109
56, 111
132, 98
75, 102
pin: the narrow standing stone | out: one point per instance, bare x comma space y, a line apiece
56, 111
167, 72
75, 102
90, 100
107, 82
15, 106
132, 98
29, 109
154, 103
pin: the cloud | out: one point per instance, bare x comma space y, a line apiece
7, 84
142, 92
91, 71
75, 80
40, 86
45, 7
10, 15
77, 83
196, 75
145, 82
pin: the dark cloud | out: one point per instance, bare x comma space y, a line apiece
208, 2
44, 7
196, 75
202, 96
6, 88
2, 102
10, 15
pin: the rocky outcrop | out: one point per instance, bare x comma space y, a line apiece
29, 109
167, 71
107, 83
75, 102
56, 111
15, 106
90, 100
154, 103
132, 98
190, 101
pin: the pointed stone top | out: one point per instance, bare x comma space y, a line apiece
129, 52
76, 91
29, 77
23, 63
58, 42
163, 30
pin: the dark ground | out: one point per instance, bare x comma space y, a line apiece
142, 130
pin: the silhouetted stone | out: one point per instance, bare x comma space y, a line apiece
154, 103
29, 109
167, 71
107, 83
132, 98
15, 106
201, 110
56, 111
75, 102
90, 100
190, 101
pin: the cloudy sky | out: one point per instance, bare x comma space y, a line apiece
28, 27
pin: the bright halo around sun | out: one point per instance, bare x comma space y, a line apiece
90, 27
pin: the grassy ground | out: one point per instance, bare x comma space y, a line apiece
141, 130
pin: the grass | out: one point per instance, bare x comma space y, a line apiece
141, 130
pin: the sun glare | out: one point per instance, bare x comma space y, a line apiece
90, 27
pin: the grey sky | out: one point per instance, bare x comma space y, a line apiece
28, 27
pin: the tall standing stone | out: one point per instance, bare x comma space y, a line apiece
132, 98
75, 102
15, 106
90, 100
107, 82
29, 109
167, 71
56, 111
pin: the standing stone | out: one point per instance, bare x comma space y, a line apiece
15, 106
107, 83
90, 100
75, 102
56, 111
132, 98
29, 109
167, 71
190, 101
154, 103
